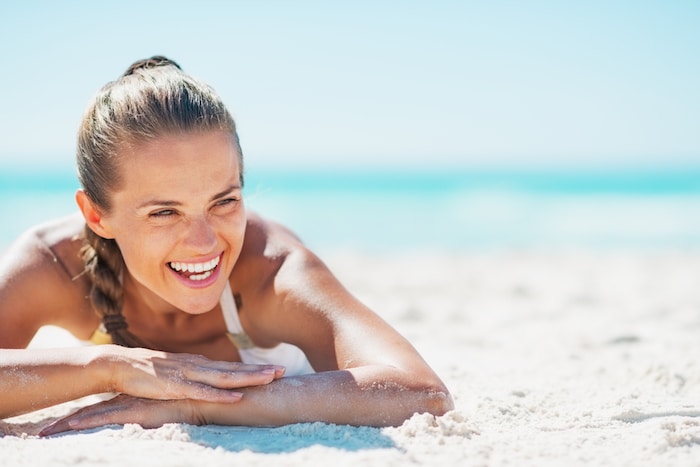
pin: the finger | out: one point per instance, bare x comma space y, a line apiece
86, 421
148, 413
114, 415
243, 367
224, 379
206, 393
67, 423
119, 411
201, 361
59, 426
194, 363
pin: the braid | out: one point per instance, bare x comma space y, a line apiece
104, 266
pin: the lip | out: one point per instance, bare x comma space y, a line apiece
203, 259
200, 284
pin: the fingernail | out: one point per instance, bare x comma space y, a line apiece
48, 430
269, 371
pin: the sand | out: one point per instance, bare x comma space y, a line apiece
553, 358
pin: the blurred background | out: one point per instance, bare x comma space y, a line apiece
393, 125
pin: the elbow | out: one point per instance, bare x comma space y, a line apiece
433, 399
396, 400
427, 397
436, 399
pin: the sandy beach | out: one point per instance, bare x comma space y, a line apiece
553, 358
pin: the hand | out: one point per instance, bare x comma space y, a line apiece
160, 375
123, 409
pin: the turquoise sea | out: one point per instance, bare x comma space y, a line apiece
377, 211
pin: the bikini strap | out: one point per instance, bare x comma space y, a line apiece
233, 324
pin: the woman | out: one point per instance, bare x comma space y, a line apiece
209, 314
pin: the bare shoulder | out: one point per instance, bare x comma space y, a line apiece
274, 265
57, 241
287, 284
40, 278
300, 301
269, 249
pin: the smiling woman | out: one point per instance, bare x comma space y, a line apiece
178, 201
203, 305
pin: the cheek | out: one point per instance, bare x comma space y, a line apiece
230, 224
235, 229
136, 257
142, 252
232, 233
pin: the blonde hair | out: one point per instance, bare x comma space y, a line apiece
152, 98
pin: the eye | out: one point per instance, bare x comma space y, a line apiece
162, 213
226, 202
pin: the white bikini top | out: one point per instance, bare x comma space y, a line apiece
287, 355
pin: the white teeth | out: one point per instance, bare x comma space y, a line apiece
206, 268
200, 277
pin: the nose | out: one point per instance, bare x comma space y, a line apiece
201, 236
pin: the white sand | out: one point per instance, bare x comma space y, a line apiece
553, 359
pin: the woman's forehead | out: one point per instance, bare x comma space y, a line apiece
199, 162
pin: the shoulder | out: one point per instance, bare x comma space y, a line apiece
40, 276
273, 274
292, 296
269, 251
55, 242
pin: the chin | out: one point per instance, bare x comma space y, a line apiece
195, 306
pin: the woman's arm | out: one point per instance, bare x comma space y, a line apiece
367, 373
33, 285
36, 378
31, 379
38, 288
366, 396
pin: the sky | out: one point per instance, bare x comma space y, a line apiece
398, 84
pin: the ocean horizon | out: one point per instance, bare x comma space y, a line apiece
412, 210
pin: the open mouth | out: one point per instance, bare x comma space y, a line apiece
195, 271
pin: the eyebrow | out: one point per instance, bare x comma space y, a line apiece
170, 203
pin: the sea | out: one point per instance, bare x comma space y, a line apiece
403, 211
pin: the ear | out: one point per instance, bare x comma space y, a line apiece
92, 215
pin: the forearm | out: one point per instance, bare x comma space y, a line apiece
31, 379
371, 396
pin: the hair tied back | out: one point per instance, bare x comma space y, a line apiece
147, 63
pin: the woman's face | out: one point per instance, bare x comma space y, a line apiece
179, 219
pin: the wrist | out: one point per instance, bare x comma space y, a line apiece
105, 367
192, 410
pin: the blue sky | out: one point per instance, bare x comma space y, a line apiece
378, 83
